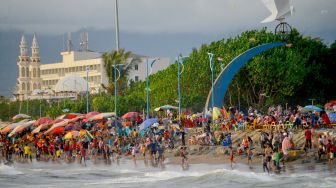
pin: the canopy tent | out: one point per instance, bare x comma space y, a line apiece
71, 83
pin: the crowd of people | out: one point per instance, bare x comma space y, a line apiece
105, 141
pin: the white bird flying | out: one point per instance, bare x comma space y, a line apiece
279, 9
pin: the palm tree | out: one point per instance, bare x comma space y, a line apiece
125, 62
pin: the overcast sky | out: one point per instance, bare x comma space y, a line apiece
158, 16
149, 27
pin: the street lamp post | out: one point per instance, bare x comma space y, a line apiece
115, 92
147, 83
41, 97
212, 78
87, 89
179, 72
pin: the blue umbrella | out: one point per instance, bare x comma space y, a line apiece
311, 108
144, 125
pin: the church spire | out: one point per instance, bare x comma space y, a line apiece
35, 48
23, 47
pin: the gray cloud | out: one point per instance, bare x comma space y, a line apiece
158, 16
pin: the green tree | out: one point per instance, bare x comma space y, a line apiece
124, 61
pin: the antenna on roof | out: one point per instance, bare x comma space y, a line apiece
84, 42
69, 42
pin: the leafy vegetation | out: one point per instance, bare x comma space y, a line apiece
278, 76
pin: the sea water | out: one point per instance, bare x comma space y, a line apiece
127, 174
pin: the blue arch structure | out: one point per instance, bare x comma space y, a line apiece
224, 79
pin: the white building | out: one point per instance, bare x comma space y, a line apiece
139, 73
68, 77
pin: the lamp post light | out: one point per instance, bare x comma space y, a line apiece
179, 72
147, 83
87, 89
312, 101
115, 91
41, 97
17, 96
212, 78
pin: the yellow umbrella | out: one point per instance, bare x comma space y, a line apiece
216, 113
68, 136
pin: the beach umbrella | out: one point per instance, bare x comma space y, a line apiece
70, 116
12, 126
309, 108
20, 116
42, 120
102, 116
166, 107
21, 128
3, 125
89, 115
45, 126
330, 105
71, 134
57, 130
130, 115
147, 123
59, 124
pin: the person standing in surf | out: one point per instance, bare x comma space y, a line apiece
184, 158
232, 157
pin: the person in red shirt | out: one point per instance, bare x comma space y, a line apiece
166, 135
308, 135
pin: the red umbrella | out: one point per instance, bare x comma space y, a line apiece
89, 115
130, 115
58, 130
330, 104
69, 116
42, 120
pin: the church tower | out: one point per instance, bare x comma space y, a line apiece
34, 67
23, 63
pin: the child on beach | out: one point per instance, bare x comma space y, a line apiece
184, 158
231, 157
249, 156
264, 163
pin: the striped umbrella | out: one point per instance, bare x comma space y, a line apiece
21, 128
12, 126
60, 124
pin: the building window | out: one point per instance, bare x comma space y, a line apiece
23, 72
136, 78
136, 67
